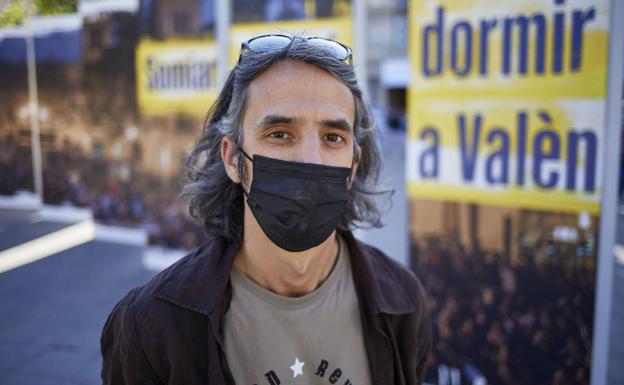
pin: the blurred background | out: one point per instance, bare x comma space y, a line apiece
505, 171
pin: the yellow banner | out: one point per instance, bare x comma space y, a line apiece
176, 76
506, 102
336, 28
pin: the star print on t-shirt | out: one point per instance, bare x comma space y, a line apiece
324, 371
297, 368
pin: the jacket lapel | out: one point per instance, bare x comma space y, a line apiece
379, 292
198, 281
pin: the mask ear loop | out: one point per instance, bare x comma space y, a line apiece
230, 196
245, 154
351, 177
251, 160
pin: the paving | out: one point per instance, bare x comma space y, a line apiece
15, 232
53, 310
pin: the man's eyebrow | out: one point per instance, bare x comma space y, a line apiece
271, 120
340, 124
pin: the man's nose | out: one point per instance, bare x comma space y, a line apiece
311, 150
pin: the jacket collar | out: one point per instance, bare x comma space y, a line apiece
198, 282
376, 280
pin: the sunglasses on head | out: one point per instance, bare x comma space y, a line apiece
274, 42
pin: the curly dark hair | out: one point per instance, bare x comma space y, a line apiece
217, 202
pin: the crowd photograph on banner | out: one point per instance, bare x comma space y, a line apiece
311, 192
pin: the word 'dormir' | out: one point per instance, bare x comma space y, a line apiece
437, 36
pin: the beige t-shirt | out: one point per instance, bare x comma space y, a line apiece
314, 339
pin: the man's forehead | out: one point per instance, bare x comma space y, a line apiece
285, 72
291, 87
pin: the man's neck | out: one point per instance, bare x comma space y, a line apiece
282, 272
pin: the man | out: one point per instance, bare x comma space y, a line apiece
282, 292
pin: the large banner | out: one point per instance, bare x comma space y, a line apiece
98, 150
176, 76
506, 103
506, 125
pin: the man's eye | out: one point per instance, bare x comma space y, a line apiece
278, 135
335, 138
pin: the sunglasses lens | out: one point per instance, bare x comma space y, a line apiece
337, 50
268, 43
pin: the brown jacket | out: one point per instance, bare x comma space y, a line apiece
170, 330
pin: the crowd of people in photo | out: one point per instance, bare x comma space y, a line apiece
116, 193
89, 93
497, 322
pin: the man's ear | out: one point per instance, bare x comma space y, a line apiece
356, 162
230, 158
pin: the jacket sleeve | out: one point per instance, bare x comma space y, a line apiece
414, 337
421, 319
124, 361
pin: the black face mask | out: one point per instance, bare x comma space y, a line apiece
297, 205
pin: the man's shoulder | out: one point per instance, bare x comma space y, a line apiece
150, 326
141, 302
160, 297
381, 261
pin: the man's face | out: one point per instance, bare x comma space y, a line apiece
298, 112
294, 112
